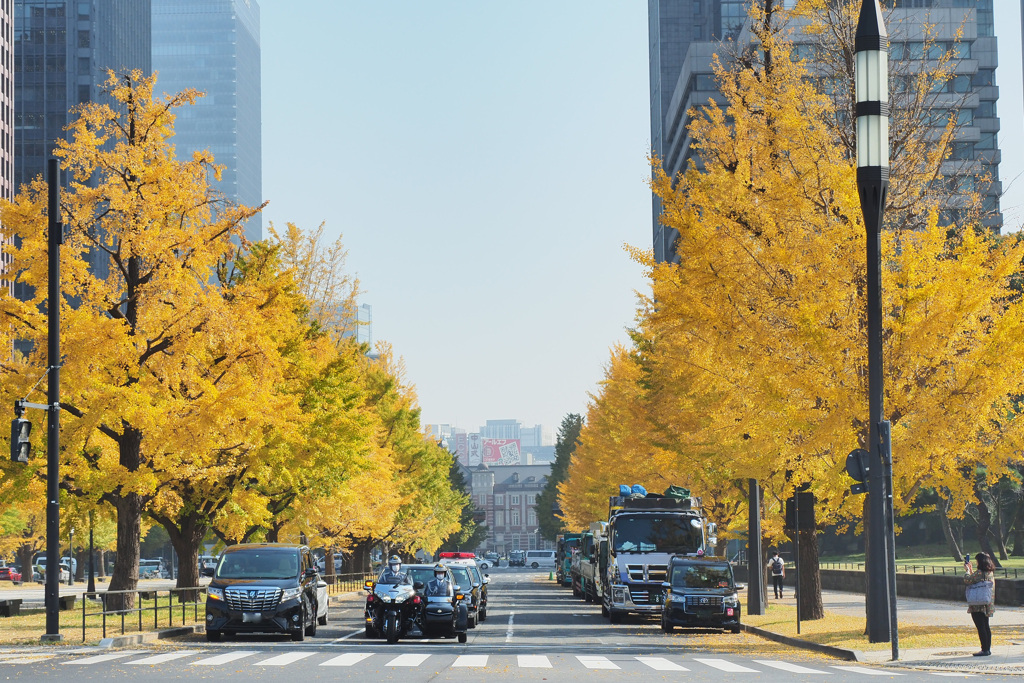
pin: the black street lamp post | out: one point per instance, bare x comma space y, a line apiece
872, 91
91, 588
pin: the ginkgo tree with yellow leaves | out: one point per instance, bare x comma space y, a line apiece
749, 354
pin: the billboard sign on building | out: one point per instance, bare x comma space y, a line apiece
462, 448
473, 450
500, 451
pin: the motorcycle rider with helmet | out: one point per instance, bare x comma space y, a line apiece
393, 574
439, 585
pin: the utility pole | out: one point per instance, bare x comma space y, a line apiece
55, 236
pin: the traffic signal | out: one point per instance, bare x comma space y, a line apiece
20, 446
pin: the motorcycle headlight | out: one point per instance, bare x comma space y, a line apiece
291, 593
215, 593
732, 601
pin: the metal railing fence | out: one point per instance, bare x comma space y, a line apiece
905, 568
158, 602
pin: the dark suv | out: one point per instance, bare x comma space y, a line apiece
263, 588
700, 592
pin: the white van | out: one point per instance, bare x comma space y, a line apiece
540, 559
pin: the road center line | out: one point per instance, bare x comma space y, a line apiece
508, 633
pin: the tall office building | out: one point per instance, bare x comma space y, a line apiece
964, 26
6, 122
214, 46
62, 51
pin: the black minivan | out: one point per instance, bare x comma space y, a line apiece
700, 592
263, 588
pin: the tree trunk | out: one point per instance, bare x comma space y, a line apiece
720, 547
102, 568
984, 527
810, 606
82, 566
329, 575
1000, 527
1017, 526
186, 534
126, 560
360, 557
947, 531
25, 560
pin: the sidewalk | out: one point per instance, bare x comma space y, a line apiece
1005, 659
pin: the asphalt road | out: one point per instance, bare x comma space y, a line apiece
535, 631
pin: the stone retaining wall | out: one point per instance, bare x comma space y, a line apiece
1009, 592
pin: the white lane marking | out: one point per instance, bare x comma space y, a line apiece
952, 673
224, 658
284, 659
26, 659
354, 633
511, 620
792, 668
726, 665
98, 659
408, 660
166, 657
596, 662
347, 659
534, 662
471, 660
866, 671
661, 664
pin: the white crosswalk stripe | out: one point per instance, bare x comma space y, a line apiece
792, 668
726, 665
534, 662
347, 659
866, 671
285, 659
471, 660
225, 658
98, 659
661, 664
25, 659
166, 657
408, 660
596, 662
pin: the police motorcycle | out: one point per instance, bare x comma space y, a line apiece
411, 604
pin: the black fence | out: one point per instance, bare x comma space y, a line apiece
1005, 572
347, 583
161, 608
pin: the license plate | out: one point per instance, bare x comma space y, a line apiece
251, 617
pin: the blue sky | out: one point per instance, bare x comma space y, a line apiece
485, 163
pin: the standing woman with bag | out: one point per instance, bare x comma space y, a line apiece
981, 598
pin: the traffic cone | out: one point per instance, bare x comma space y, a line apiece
551, 576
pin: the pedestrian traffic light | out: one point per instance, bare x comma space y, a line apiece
20, 445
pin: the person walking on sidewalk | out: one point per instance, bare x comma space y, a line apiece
777, 566
981, 611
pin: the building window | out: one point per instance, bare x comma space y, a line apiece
696, 6
514, 500
83, 39
514, 517
531, 500
483, 499
499, 518
531, 518
499, 500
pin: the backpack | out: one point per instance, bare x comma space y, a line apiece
778, 566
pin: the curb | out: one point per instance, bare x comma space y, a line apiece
838, 652
139, 638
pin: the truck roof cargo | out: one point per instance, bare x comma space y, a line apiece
651, 502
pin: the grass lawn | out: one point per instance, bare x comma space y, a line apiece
848, 631
29, 626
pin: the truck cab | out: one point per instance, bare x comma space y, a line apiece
643, 534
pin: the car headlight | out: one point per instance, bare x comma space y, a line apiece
732, 601
291, 593
215, 593
618, 595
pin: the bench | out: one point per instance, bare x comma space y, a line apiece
10, 608
67, 602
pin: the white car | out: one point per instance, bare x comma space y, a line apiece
321, 602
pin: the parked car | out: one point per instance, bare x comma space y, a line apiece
517, 558
321, 602
540, 558
264, 588
700, 592
9, 574
152, 569
489, 559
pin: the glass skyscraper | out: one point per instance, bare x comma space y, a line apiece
6, 118
214, 46
62, 51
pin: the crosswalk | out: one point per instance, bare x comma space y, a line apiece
377, 661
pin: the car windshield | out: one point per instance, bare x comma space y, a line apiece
702, 576
462, 577
657, 533
259, 564
476, 574
518, 554
421, 574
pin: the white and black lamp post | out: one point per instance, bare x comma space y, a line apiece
872, 90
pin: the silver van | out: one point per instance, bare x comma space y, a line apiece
540, 559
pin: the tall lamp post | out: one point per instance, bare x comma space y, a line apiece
872, 91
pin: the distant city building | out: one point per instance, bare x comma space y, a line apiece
694, 28
6, 125
498, 443
214, 46
62, 51
508, 495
